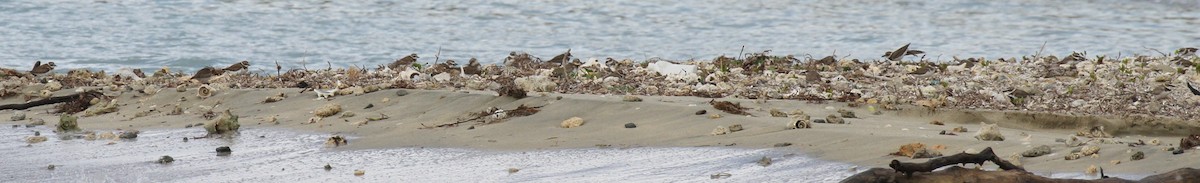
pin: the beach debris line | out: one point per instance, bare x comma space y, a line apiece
490, 115
70, 103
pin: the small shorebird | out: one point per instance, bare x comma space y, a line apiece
561, 58
472, 68
923, 70
899, 53
327, 93
39, 68
139, 73
238, 66
405, 62
207, 73
1074, 57
1185, 52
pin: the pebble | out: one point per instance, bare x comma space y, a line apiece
701, 112
224, 151
165, 160
631, 98
1137, 156
401, 92
783, 144
1037, 151
630, 125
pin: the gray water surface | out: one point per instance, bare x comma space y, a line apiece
188, 34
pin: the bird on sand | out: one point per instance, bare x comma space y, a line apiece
561, 58
901, 52
238, 66
207, 73
472, 68
1185, 52
404, 62
39, 68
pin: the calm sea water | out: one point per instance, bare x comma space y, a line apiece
189, 34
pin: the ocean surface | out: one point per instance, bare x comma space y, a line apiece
188, 34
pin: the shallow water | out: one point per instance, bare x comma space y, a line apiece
280, 156
188, 34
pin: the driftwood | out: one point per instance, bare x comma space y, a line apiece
959, 174
520, 111
960, 158
51, 100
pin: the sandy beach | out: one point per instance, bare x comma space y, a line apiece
661, 122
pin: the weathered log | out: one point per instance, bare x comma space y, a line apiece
959, 174
51, 100
961, 158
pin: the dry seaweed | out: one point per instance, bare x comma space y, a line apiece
729, 107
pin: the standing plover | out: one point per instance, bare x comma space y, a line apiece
472, 68
1186, 52
403, 63
39, 68
561, 58
238, 66
207, 73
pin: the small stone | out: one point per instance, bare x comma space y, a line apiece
1090, 150
765, 161
1073, 156
572, 122
18, 116
51, 167
513, 170
1137, 156
1037, 151
328, 167
630, 125
819, 121
1114, 162
361, 172
714, 116
989, 132
783, 144
735, 128
131, 134
831, 119
165, 160
557, 97
631, 98
847, 113
800, 124
959, 129
224, 151
36, 122
1177, 151
401, 92
369, 106
185, 139
1154, 142
936, 122
701, 112
187, 126
777, 113
348, 114
35, 139
720, 175
721, 130
1092, 170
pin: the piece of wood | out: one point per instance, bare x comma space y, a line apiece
961, 158
51, 100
